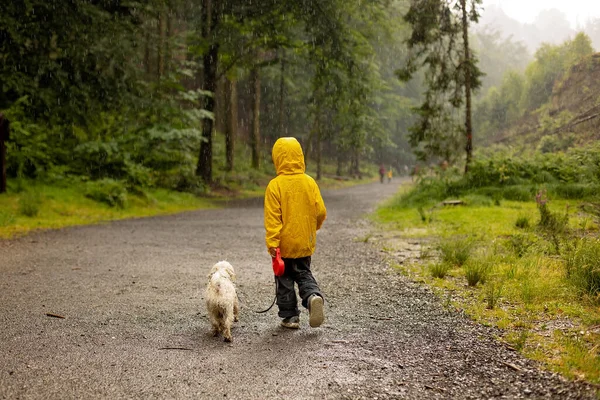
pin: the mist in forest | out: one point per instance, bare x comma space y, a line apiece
537, 22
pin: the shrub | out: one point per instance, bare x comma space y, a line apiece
479, 200
575, 191
189, 182
29, 204
439, 270
518, 193
107, 191
582, 265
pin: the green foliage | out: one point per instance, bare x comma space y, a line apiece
29, 204
553, 144
582, 263
108, 191
439, 42
477, 270
522, 222
6, 218
69, 58
493, 291
456, 251
552, 224
503, 104
550, 63
519, 244
439, 270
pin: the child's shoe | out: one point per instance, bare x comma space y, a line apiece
315, 311
291, 322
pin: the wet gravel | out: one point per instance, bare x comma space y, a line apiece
134, 324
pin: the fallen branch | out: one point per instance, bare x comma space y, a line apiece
55, 315
175, 348
512, 366
381, 318
434, 388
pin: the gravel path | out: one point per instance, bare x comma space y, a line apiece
130, 289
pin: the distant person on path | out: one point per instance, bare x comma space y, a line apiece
381, 172
294, 211
389, 174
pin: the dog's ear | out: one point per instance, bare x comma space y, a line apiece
231, 272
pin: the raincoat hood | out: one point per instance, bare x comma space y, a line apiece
288, 156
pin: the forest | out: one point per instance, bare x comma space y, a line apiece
186, 95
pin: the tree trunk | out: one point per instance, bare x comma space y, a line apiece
255, 134
340, 162
467, 69
282, 96
355, 166
232, 121
168, 36
318, 147
209, 22
221, 106
147, 65
160, 38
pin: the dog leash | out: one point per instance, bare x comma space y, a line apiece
274, 299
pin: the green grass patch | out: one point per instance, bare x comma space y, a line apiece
532, 271
68, 205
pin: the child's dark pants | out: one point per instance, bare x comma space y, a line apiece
297, 270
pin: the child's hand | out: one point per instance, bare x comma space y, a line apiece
273, 252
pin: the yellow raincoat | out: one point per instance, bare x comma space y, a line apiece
294, 208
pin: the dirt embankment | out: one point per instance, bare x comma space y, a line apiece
574, 108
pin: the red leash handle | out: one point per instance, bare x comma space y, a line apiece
278, 265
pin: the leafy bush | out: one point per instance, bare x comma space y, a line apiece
575, 191
478, 200
518, 193
107, 191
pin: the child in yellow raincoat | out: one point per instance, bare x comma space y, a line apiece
294, 211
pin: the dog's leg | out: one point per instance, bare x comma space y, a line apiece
214, 321
236, 310
227, 322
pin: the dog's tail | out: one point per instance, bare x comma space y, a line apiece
274, 298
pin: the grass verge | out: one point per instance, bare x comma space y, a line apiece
506, 268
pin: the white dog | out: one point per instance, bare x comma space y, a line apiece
221, 299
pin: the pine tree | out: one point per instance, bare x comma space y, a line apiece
440, 43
